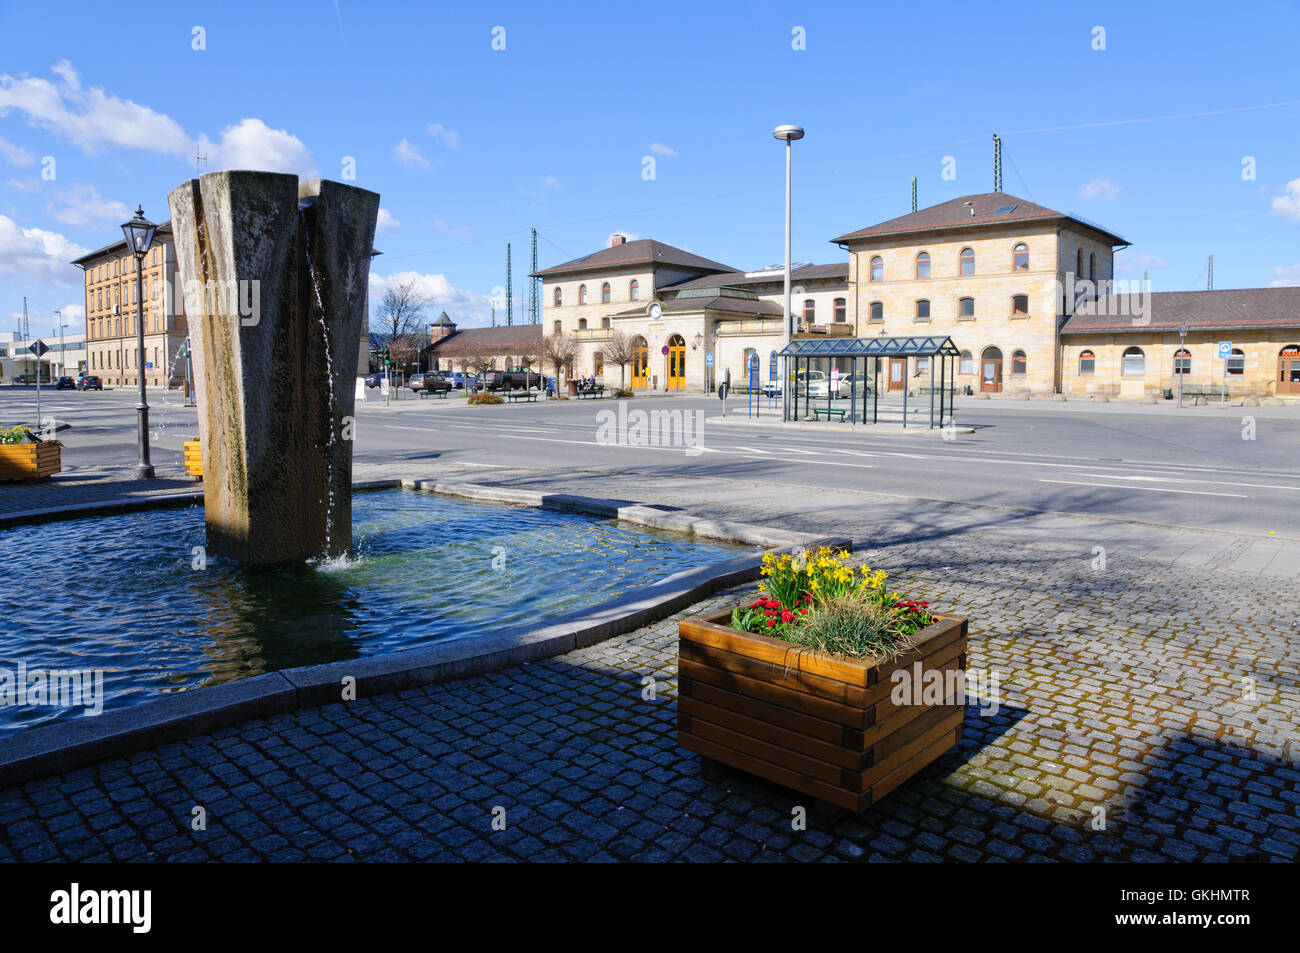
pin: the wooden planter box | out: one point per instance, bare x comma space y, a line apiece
193, 459
823, 725
29, 461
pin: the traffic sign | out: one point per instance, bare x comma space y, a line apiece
148, 365
37, 347
1225, 350
708, 360
665, 350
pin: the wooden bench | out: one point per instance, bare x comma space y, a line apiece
595, 393
829, 412
528, 395
433, 393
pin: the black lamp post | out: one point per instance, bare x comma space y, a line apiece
139, 239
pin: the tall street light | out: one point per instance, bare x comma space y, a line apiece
63, 351
789, 134
139, 238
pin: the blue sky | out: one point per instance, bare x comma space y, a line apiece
470, 147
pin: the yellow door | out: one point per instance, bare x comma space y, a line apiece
641, 365
676, 363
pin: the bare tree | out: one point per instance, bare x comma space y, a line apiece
559, 350
621, 350
399, 322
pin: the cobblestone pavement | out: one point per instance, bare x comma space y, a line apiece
1167, 697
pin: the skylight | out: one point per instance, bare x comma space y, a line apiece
1005, 210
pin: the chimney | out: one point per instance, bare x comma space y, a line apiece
616, 239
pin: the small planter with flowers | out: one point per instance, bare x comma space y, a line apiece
826, 682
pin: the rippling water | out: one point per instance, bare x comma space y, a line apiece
119, 593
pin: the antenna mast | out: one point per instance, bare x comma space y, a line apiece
997, 163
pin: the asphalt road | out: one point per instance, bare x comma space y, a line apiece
1192, 468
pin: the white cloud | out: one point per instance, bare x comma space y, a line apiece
1098, 188
17, 155
1129, 262
386, 222
1288, 205
25, 185
1288, 276
37, 255
467, 308
82, 207
90, 118
659, 149
550, 183
409, 156
252, 144
446, 136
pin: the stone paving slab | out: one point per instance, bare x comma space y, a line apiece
1147, 713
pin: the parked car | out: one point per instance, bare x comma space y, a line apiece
848, 383
90, 382
461, 379
431, 383
66, 383
375, 380
512, 378
772, 388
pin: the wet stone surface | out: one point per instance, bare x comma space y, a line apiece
1167, 698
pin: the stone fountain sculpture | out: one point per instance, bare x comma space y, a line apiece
275, 275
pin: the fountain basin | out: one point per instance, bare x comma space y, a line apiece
178, 712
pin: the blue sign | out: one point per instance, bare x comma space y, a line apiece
148, 365
1225, 350
708, 360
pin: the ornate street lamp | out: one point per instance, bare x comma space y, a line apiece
139, 234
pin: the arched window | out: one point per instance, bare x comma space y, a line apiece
923, 265
1018, 362
604, 322
923, 310
559, 297
809, 311
968, 261
966, 307
1092, 267
877, 311
582, 324
967, 363
1133, 363
841, 309
1020, 304
558, 327
582, 294
1087, 363
1020, 258
1237, 363
598, 363
877, 268
604, 293
1182, 361
634, 290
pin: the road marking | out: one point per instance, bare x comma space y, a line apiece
1154, 489
1160, 479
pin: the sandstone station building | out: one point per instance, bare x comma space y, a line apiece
1027, 294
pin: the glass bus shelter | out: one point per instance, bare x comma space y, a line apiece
840, 378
